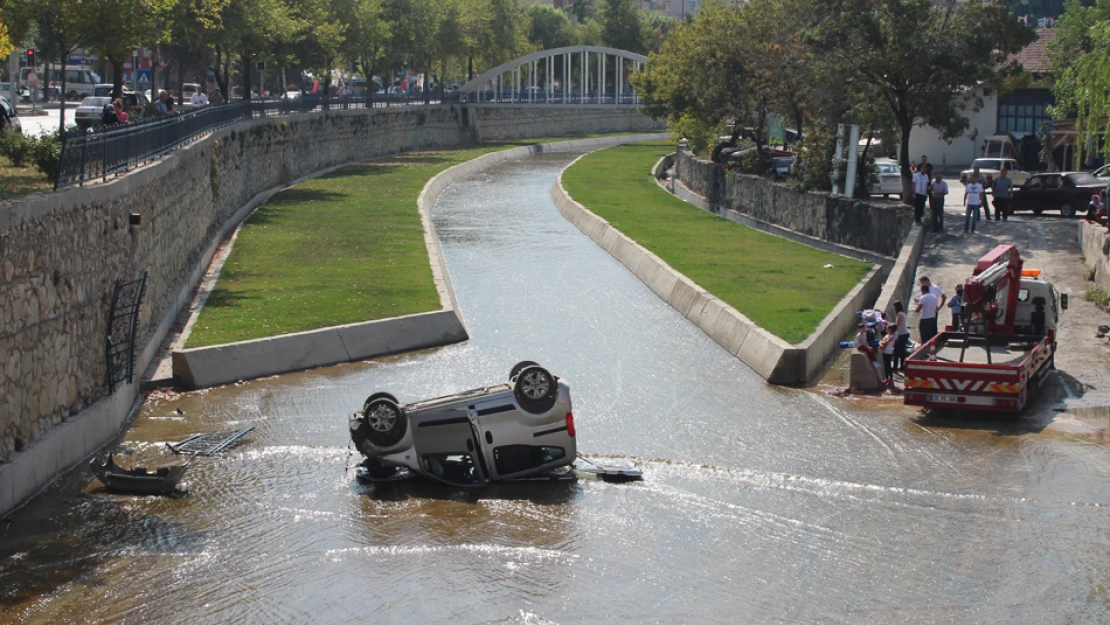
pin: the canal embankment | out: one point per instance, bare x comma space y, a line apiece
779, 306
412, 266
62, 253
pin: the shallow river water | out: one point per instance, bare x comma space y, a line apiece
760, 504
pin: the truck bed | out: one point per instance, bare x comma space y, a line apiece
1016, 362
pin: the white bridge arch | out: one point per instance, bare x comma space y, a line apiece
570, 75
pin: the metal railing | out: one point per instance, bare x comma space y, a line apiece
113, 150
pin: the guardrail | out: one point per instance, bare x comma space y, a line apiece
113, 150
540, 97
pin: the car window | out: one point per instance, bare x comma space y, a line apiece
987, 163
1036, 182
1084, 180
1052, 182
74, 76
454, 468
98, 102
510, 459
1023, 295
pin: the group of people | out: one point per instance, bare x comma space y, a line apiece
891, 339
931, 188
1097, 209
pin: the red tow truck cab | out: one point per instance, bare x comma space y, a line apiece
1007, 342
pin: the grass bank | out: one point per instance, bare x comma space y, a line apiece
342, 248
781, 285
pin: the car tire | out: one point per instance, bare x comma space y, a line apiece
1067, 209
1038, 210
386, 422
379, 396
520, 366
72, 95
535, 390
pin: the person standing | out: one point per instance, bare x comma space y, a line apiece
934, 289
973, 196
1002, 188
920, 193
887, 345
902, 329
957, 306
927, 305
199, 98
937, 190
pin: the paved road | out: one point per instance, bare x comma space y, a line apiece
34, 125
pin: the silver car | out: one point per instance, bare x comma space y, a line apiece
521, 429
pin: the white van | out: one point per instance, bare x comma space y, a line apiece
80, 82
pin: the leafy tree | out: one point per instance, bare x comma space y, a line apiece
6, 46
926, 62
1075, 40
654, 28
549, 27
620, 21
365, 35
119, 27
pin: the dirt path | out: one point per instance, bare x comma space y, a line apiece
1048, 243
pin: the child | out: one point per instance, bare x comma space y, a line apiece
887, 345
957, 306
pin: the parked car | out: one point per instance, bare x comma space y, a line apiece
1068, 192
507, 431
890, 178
991, 167
88, 113
781, 166
1102, 173
188, 89
10, 116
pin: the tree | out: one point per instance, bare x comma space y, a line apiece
6, 46
1075, 40
365, 35
119, 27
620, 22
926, 62
654, 28
549, 27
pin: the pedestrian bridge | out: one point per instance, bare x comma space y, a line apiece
574, 75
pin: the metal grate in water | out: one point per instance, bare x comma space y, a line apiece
208, 444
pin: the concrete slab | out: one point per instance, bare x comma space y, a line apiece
683, 295
730, 330
761, 351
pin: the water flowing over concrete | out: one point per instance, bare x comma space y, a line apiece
760, 504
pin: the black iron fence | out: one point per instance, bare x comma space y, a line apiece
112, 150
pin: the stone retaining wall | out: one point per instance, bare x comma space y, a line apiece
876, 228
60, 253
771, 357
498, 122
1094, 240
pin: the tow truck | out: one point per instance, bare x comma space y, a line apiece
1006, 344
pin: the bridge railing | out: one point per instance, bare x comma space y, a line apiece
524, 97
113, 150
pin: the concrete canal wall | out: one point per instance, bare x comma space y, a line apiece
60, 254
1094, 240
873, 227
768, 355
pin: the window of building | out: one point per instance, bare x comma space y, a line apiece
1023, 112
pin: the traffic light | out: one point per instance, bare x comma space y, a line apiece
30, 57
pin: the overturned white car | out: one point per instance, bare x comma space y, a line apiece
509, 431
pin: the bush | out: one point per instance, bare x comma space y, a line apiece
47, 152
17, 147
1098, 296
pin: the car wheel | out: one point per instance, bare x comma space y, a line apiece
379, 396
520, 366
886, 196
1038, 210
72, 95
386, 422
535, 390
1067, 209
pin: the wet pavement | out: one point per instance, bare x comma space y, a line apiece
760, 504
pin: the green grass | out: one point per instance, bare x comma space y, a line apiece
343, 248
19, 181
779, 284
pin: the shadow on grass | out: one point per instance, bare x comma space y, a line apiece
301, 195
222, 298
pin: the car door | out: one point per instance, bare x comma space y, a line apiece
517, 443
447, 447
1026, 195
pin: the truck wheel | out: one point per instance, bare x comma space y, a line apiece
1067, 209
386, 422
535, 390
520, 366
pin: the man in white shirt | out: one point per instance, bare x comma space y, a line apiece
199, 99
920, 193
927, 305
973, 197
934, 289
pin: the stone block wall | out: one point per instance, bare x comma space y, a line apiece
498, 122
873, 227
61, 253
1094, 241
